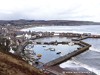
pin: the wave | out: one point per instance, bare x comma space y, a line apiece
59, 30
92, 69
70, 64
94, 49
74, 29
76, 64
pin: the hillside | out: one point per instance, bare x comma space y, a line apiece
13, 65
47, 22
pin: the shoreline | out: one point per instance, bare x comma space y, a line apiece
68, 29
31, 26
73, 71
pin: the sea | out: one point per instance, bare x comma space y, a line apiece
89, 59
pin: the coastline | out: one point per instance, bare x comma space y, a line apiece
74, 70
32, 26
60, 29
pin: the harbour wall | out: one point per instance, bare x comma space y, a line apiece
69, 56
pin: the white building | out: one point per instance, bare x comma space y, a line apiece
27, 36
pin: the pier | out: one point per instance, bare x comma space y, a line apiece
52, 43
69, 56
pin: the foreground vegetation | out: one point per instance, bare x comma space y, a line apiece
11, 64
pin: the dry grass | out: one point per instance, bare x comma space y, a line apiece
11, 65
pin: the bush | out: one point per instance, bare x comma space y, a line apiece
4, 44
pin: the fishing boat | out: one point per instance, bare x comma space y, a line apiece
39, 55
58, 52
43, 46
46, 49
71, 44
52, 49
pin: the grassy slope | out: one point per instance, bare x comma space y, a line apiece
13, 65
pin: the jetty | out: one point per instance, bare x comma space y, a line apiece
70, 55
52, 43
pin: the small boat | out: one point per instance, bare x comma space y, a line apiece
71, 44
39, 55
58, 52
52, 49
78, 48
32, 46
46, 49
43, 46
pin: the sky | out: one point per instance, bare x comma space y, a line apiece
86, 10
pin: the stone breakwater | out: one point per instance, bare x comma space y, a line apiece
85, 46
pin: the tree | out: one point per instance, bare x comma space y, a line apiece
4, 44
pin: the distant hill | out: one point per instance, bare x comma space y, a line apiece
48, 22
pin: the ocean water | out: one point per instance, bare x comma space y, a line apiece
75, 29
89, 59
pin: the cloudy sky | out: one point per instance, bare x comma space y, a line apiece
50, 9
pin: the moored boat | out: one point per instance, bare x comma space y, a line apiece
58, 53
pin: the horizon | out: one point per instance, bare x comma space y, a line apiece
45, 20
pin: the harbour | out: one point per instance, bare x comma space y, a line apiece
44, 43
69, 56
